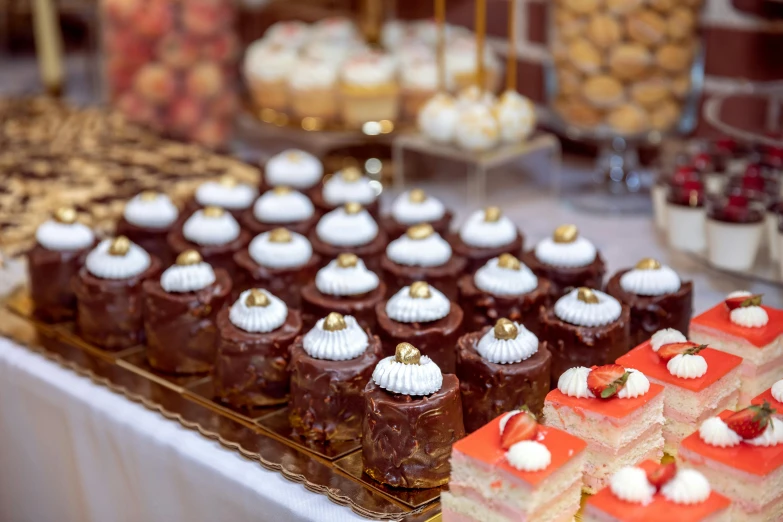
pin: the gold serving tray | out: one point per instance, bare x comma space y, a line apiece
261, 434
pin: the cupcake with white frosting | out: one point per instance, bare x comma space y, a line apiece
345, 285
293, 168
486, 234
281, 261
406, 389
348, 185
421, 254
266, 67
585, 327
501, 368
313, 90
335, 28
61, 244
254, 337
215, 234
419, 82
289, 33
368, 89
227, 193
349, 228
423, 314
280, 207
146, 220
330, 367
568, 260
503, 287
658, 299
414, 207
180, 309
108, 292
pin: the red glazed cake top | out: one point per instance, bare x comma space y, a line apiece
767, 396
614, 407
717, 318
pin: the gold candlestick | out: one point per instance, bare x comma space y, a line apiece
48, 46
481, 33
511, 65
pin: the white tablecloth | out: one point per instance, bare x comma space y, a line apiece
73, 451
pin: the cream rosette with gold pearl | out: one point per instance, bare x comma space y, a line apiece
566, 248
408, 372
226, 193
211, 226
488, 228
150, 209
280, 248
63, 232
416, 206
117, 258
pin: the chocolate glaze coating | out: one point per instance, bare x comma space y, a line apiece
50, 273
219, 256
316, 305
153, 240
441, 277
478, 257
251, 369
395, 229
572, 345
249, 222
327, 401
180, 327
490, 389
406, 441
484, 309
564, 278
436, 339
370, 253
284, 283
652, 313
109, 311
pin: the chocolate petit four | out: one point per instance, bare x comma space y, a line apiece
213, 233
349, 228
280, 261
423, 315
226, 193
567, 260
412, 416
486, 234
413, 207
504, 287
146, 220
500, 369
345, 286
61, 244
109, 296
346, 186
293, 168
421, 254
179, 314
254, 337
280, 207
330, 367
656, 296
585, 328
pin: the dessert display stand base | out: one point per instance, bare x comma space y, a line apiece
764, 270
479, 164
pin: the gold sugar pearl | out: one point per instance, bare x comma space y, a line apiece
281, 190
148, 195
565, 234
417, 196
65, 215
347, 260
119, 246
492, 214
353, 208
256, 298
189, 257
505, 329
294, 156
406, 353
420, 290
648, 263
421, 231
509, 262
350, 174
213, 212
334, 322
586, 295
228, 181
280, 235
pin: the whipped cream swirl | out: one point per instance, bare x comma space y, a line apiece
408, 211
203, 229
404, 308
187, 278
258, 319
529, 455
749, 317
771, 436
339, 228
666, 336
234, 196
687, 366
631, 485
430, 251
687, 487
571, 309
336, 345
573, 382
636, 385
652, 282
340, 281
777, 391
340, 189
715, 432
498, 280
276, 206
480, 233
424, 378
577, 253
102, 263
61, 237
280, 254
293, 168
151, 210
508, 351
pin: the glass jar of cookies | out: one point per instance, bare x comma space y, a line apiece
624, 67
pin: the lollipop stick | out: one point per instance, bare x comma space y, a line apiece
481, 32
511, 66
440, 22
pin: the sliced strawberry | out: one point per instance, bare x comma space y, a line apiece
522, 426
750, 422
605, 381
743, 301
671, 350
662, 474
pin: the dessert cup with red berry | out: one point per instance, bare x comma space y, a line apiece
686, 214
734, 226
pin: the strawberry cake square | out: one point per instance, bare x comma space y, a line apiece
742, 326
514, 469
698, 382
741, 454
652, 492
617, 411
774, 396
